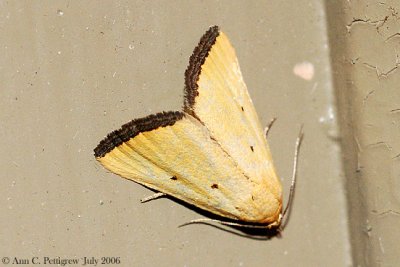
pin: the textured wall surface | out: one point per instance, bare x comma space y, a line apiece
365, 46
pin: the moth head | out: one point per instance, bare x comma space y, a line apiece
276, 224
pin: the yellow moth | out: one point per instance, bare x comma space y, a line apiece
213, 154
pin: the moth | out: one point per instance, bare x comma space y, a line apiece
213, 154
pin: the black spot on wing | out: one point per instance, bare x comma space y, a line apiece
214, 186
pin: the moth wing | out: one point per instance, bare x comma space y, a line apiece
216, 94
174, 153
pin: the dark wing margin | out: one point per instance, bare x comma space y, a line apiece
193, 71
163, 119
133, 128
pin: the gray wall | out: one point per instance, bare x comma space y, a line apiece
73, 71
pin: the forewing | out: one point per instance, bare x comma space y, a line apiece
179, 157
216, 95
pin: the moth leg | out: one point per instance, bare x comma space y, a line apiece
266, 130
155, 196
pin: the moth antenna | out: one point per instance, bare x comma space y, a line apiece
266, 130
205, 220
293, 185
